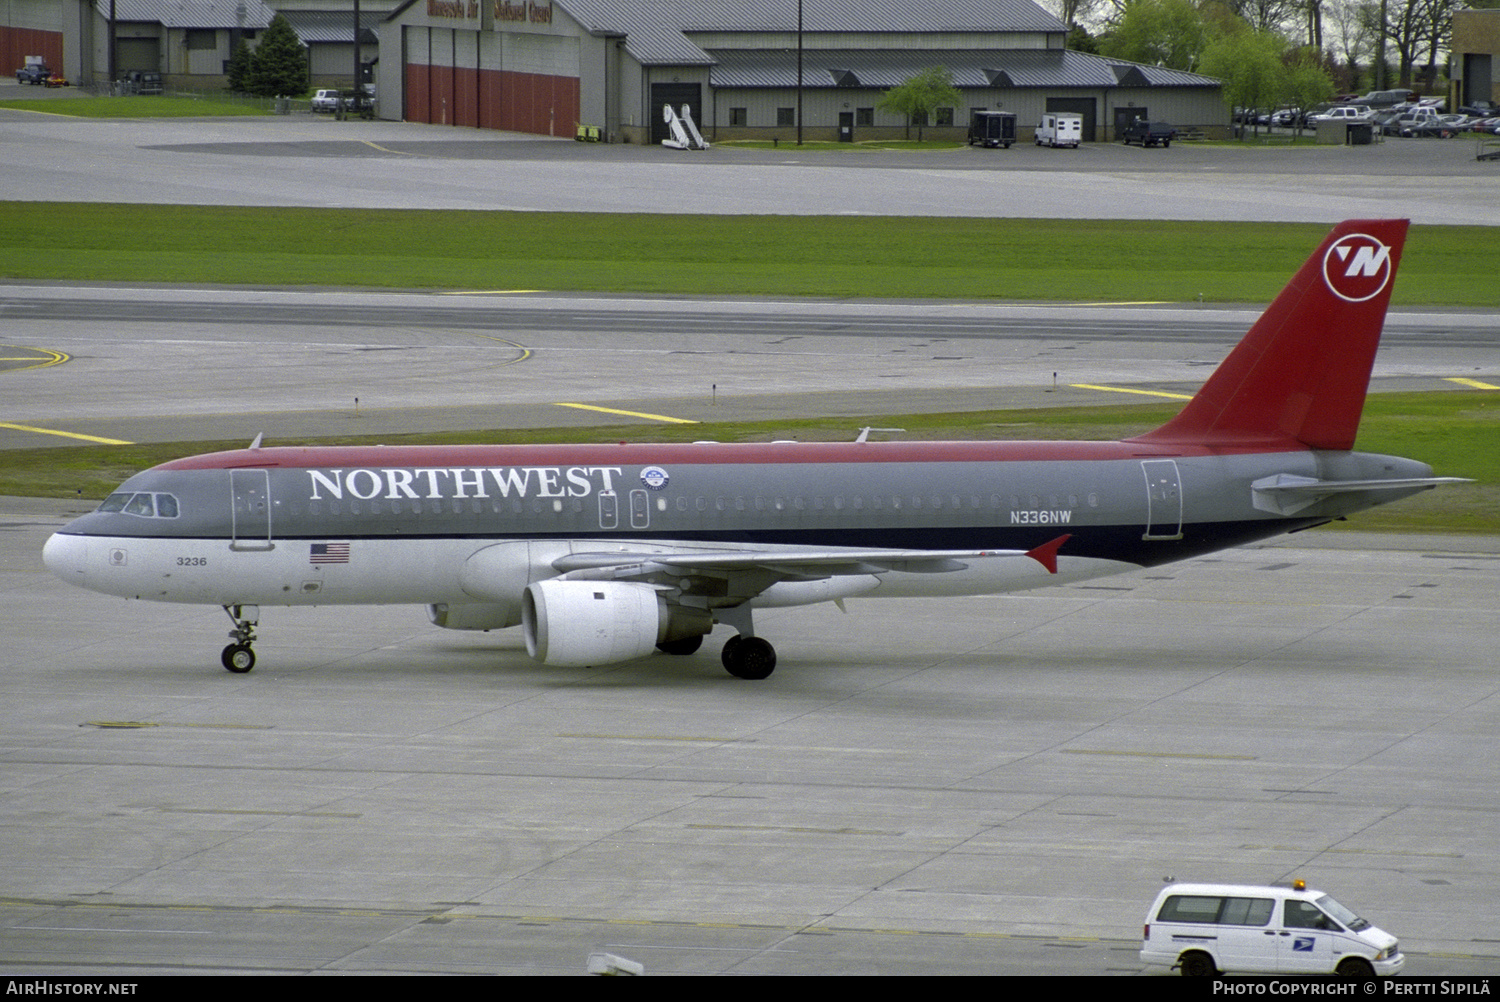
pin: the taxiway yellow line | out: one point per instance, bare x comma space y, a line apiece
52, 358
1472, 382
648, 417
1121, 389
64, 434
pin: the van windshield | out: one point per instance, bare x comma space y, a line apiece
1342, 914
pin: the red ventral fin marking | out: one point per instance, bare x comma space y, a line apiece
1046, 554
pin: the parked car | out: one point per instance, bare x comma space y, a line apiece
1411, 118
325, 100
1443, 127
1385, 121
33, 73
1149, 133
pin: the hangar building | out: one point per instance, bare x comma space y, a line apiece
548, 66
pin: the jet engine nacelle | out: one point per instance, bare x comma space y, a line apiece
572, 624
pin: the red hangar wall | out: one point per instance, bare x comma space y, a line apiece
489, 64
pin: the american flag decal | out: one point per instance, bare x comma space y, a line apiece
329, 553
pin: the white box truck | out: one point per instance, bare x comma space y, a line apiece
1061, 128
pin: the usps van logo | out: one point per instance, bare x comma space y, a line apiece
1357, 267
1303, 944
654, 477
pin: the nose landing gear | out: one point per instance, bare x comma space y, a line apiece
238, 657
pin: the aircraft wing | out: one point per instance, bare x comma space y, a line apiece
786, 564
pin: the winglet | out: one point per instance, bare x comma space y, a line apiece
1046, 554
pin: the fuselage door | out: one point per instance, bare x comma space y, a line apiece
1163, 499
250, 510
640, 510
609, 509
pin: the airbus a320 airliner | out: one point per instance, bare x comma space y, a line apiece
606, 553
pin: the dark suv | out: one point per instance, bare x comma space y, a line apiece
33, 73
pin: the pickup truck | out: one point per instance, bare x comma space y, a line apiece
1414, 118
1149, 133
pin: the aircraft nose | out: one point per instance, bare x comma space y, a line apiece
66, 557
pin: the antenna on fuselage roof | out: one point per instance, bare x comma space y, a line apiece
258, 436
864, 433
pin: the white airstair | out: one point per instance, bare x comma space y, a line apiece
685, 135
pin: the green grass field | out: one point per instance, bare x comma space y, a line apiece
1087, 260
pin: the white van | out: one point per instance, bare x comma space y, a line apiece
1063, 128
1207, 929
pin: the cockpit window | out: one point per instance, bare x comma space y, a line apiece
144, 505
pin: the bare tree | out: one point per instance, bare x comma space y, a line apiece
1351, 40
1266, 15
1073, 13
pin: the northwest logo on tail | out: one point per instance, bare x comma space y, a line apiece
1357, 267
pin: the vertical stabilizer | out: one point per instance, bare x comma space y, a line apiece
1300, 374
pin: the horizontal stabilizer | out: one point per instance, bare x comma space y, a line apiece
1287, 493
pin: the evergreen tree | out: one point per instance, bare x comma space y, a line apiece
237, 73
279, 66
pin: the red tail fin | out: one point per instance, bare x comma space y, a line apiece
1301, 372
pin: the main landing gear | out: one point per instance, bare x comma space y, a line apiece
745, 655
238, 657
748, 657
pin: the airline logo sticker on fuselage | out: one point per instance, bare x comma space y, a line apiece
654, 477
1357, 267
462, 482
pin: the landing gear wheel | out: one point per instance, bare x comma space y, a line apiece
238, 658
727, 655
749, 657
681, 647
